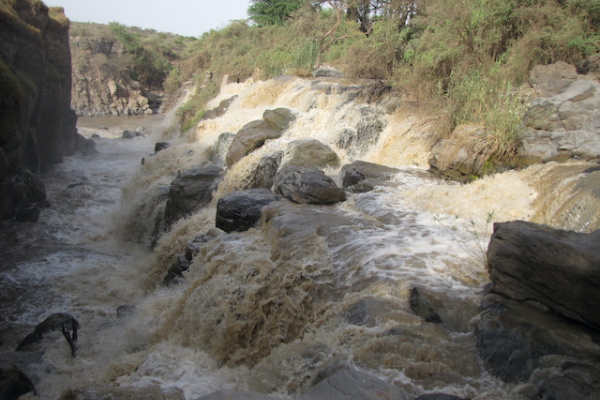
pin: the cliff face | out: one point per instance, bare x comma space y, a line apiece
102, 76
37, 125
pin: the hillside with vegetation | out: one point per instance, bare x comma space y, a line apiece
120, 70
466, 62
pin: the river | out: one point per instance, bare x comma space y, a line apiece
268, 310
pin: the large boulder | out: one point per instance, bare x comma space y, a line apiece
353, 385
241, 210
559, 269
307, 185
279, 118
463, 154
252, 136
190, 191
564, 120
310, 153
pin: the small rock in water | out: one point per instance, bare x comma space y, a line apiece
55, 322
421, 307
159, 146
128, 135
125, 310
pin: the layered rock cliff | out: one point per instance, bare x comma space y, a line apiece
37, 124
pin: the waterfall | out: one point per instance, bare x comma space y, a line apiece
312, 289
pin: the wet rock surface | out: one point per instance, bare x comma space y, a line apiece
255, 133
307, 185
539, 311
241, 210
310, 153
190, 191
361, 176
559, 269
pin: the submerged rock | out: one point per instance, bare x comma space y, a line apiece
421, 307
241, 210
307, 185
190, 191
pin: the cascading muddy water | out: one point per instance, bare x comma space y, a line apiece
314, 288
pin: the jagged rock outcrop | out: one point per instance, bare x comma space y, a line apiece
101, 86
564, 121
37, 125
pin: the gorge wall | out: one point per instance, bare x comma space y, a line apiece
37, 124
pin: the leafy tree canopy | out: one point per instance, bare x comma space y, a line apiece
273, 12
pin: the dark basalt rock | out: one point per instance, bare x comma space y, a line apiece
55, 322
307, 185
241, 210
160, 146
13, 382
190, 191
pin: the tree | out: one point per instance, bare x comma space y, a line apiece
273, 12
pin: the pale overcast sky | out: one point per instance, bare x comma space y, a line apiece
184, 17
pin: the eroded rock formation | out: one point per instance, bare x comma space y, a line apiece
37, 125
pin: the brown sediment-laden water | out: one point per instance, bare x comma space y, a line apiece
312, 287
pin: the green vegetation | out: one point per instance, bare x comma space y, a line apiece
273, 12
